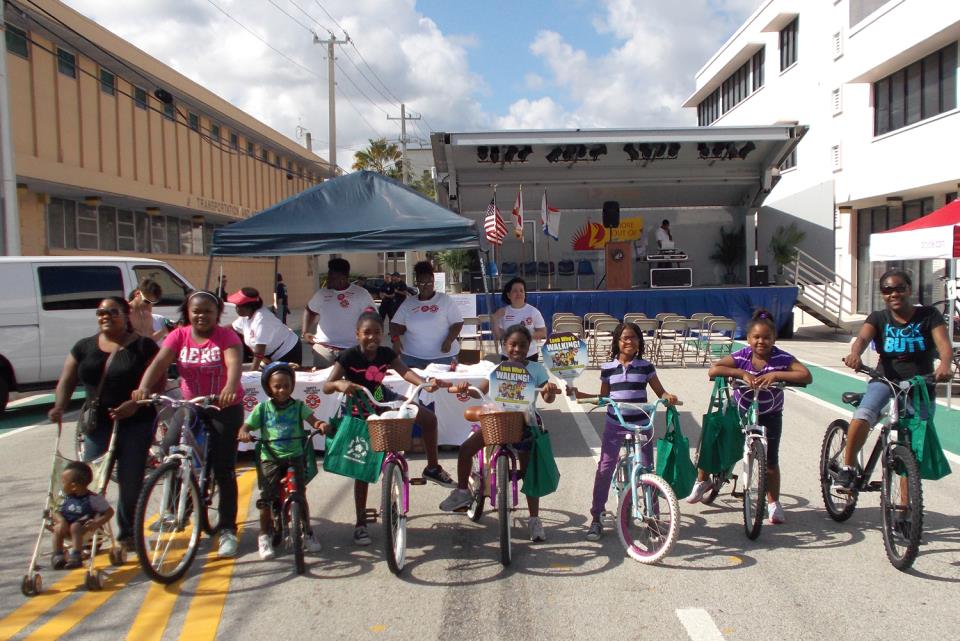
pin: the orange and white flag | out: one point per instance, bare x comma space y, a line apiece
518, 215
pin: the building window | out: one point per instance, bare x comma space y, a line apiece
836, 101
788, 44
173, 235
17, 41
88, 232
924, 89
250, 149
215, 133
143, 232
756, 67
66, 63
61, 224
265, 154
108, 83
736, 87
194, 121
126, 231
952, 196
140, 97
169, 111
158, 234
234, 141
790, 161
107, 218
709, 110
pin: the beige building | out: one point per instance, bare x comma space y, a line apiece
114, 152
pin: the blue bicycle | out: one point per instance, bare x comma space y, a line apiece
648, 515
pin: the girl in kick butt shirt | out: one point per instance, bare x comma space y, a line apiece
518, 312
209, 359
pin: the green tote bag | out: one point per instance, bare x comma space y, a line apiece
673, 457
348, 452
721, 439
542, 476
923, 436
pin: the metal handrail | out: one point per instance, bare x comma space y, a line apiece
820, 285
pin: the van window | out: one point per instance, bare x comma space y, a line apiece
174, 289
78, 286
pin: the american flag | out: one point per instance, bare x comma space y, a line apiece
493, 224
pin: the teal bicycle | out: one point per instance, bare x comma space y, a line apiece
648, 514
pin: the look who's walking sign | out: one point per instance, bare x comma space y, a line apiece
565, 355
512, 386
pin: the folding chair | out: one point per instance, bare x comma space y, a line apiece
672, 342
648, 326
585, 268
601, 339
565, 325
632, 317
471, 332
663, 315
488, 345
719, 339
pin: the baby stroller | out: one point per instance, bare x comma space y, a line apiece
32, 584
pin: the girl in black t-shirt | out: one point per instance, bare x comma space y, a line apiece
366, 365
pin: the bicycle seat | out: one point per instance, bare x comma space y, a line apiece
852, 398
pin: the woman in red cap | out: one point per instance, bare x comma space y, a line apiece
263, 332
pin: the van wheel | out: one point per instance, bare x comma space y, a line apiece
4, 393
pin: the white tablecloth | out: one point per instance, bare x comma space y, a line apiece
452, 428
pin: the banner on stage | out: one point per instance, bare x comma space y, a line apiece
593, 236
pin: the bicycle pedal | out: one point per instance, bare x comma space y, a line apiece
874, 486
418, 481
371, 514
463, 509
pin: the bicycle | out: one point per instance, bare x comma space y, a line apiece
394, 436
902, 522
648, 514
288, 510
178, 497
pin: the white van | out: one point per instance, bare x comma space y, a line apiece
48, 304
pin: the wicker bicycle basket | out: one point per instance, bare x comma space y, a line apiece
502, 428
391, 434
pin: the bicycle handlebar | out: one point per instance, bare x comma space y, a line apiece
601, 401
306, 437
395, 405
199, 401
904, 385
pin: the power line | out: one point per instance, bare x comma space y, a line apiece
324, 9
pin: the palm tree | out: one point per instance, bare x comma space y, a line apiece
379, 156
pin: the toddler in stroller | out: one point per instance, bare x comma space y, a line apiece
81, 512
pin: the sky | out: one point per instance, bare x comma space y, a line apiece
462, 65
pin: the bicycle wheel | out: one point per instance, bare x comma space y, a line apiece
754, 489
296, 535
901, 505
211, 502
650, 536
840, 505
167, 524
503, 509
477, 488
394, 520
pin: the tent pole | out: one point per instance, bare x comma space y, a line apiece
206, 283
486, 292
952, 306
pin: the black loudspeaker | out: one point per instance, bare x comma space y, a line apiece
759, 276
671, 277
611, 214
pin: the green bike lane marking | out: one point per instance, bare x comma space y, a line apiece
32, 410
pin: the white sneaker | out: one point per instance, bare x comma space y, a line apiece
458, 500
265, 545
775, 510
699, 489
536, 529
228, 544
312, 544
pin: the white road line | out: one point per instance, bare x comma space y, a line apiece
586, 428
699, 625
22, 429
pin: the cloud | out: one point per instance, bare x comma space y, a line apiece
533, 81
542, 113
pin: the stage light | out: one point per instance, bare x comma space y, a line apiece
631, 151
673, 149
718, 148
569, 152
524, 153
581, 151
596, 151
746, 149
482, 153
703, 150
554, 154
732, 151
645, 150
511, 153
495, 154
659, 150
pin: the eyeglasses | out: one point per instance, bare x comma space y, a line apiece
886, 291
424, 283
107, 311
148, 301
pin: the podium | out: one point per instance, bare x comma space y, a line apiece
618, 259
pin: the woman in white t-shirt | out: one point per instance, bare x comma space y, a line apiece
518, 312
263, 332
428, 324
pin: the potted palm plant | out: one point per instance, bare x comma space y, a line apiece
783, 246
455, 262
730, 251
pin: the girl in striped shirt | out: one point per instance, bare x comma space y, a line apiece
623, 379
758, 365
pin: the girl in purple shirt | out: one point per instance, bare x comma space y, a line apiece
759, 365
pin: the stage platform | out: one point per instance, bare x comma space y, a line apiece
737, 303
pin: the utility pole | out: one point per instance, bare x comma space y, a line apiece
331, 95
10, 236
404, 165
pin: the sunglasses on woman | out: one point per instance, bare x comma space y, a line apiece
889, 289
107, 311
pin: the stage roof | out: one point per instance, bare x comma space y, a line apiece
712, 166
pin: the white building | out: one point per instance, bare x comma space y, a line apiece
876, 81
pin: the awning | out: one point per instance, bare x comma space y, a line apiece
936, 235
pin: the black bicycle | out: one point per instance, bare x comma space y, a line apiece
901, 493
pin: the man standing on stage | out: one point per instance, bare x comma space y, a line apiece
664, 236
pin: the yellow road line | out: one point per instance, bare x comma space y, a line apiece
206, 608
36, 606
83, 607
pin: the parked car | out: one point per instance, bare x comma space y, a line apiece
374, 285
48, 306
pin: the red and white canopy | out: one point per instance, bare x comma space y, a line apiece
936, 235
